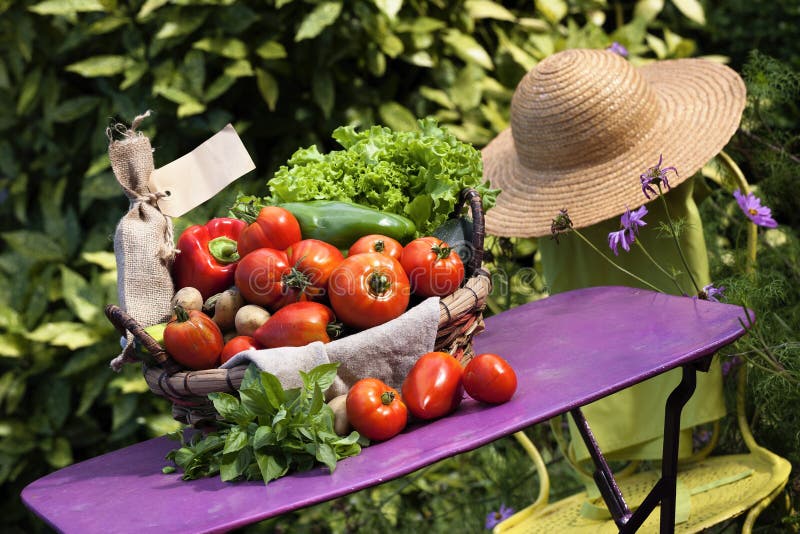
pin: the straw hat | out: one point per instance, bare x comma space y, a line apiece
585, 124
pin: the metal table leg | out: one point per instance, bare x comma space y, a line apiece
664, 491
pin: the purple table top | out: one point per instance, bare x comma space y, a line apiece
568, 350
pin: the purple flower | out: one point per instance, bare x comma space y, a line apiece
620, 237
630, 221
493, 518
751, 206
655, 176
617, 49
714, 293
711, 293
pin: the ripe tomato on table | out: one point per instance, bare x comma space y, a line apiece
433, 386
368, 289
489, 378
193, 339
433, 268
375, 410
377, 243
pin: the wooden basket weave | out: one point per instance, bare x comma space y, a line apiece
460, 318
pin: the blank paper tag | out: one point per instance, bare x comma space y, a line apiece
202, 173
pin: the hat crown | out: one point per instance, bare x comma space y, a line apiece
581, 107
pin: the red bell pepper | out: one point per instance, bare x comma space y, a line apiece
208, 256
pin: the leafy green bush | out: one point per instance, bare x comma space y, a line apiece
286, 73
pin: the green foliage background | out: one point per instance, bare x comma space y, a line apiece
287, 73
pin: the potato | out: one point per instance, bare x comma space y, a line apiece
188, 298
249, 318
341, 425
224, 307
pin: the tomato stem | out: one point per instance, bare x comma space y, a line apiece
181, 314
379, 246
296, 279
442, 251
379, 283
334, 330
387, 397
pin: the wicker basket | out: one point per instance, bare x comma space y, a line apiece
460, 318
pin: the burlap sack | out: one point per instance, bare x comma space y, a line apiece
143, 242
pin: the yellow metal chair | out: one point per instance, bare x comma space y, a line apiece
710, 489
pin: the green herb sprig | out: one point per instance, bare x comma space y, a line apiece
268, 431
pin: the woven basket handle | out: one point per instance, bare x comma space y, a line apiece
124, 322
478, 225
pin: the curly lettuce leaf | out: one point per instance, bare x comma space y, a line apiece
418, 174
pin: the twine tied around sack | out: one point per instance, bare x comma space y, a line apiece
168, 250
143, 242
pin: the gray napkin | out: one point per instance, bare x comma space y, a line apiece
386, 352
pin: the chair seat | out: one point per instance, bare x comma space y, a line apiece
723, 487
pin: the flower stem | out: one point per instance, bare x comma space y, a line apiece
609, 260
660, 268
677, 242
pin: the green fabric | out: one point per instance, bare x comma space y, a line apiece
629, 424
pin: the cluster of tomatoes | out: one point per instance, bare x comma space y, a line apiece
309, 287
433, 388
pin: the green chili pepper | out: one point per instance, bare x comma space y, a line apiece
342, 223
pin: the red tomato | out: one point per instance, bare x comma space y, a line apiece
375, 410
261, 276
237, 345
273, 228
433, 268
489, 378
433, 387
297, 324
368, 289
377, 243
313, 262
193, 339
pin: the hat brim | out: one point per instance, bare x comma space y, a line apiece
701, 107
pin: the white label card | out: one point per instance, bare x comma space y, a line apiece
202, 173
